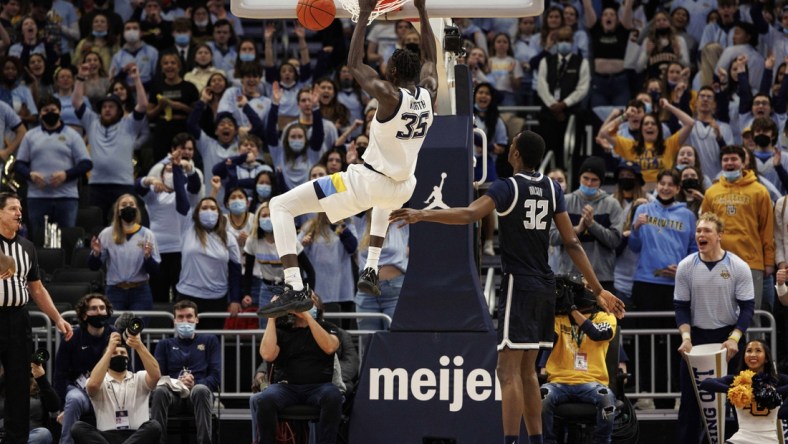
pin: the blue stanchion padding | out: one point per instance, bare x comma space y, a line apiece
442, 291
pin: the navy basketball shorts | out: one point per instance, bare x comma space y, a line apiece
526, 312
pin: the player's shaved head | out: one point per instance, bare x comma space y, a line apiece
531, 148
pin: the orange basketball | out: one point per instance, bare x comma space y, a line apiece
316, 14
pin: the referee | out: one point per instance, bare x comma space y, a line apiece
714, 300
20, 283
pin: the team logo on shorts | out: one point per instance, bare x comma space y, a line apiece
435, 199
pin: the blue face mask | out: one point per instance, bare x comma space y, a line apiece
563, 48
731, 176
297, 145
99, 33
588, 191
648, 108
266, 224
680, 166
237, 206
182, 39
263, 190
184, 330
313, 312
246, 57
208, 218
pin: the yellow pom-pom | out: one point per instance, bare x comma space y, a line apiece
744, 377
740, 395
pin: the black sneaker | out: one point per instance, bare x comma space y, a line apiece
368, 281
289, 300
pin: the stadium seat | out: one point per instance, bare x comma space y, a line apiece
49, 260
67, 292
69, 238
78, 276
90, 219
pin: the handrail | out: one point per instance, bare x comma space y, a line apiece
489, 290
484, 156
549, 160
570, 141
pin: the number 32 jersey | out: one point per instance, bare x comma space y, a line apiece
526, 204
394, 143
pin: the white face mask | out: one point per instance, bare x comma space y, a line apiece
132, 35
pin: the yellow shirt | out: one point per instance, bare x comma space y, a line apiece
650, 163
572, 364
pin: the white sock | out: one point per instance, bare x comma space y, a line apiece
373, 256
293, 278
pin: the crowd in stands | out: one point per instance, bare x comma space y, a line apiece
180, 122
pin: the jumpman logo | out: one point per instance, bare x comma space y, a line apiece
437, 196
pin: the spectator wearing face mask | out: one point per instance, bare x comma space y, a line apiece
176, 187
134, 52
130, 254
192, 363
210, 263
597, 218
563, 84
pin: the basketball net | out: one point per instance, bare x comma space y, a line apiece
385, 6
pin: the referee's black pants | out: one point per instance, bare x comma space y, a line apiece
15, 352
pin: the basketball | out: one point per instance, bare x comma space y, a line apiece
316, 14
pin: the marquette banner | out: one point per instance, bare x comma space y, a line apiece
708, 361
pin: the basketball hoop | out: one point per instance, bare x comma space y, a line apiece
385, 6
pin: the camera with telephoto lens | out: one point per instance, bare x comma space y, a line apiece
40, 356
570, 290
128, 325
452, 41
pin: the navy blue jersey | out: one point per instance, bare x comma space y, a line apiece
526, 204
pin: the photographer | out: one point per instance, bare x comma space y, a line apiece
576, 368
120, 397
43, 401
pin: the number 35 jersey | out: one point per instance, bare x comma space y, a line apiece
394, 143
526, 204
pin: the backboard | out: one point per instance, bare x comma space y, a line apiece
282, 9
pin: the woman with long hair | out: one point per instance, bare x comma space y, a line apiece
15, 93
173, 192
210, 264
98, 84
687, 156
663, 45
100, 41
131, 255
692, 189
240, 222
38, 77
217, 85
265, 187
652, 151
331, 249
757, 419
263, 270
203, 67
505, 70
330, 107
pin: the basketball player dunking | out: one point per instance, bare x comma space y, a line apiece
386, 179
527, 204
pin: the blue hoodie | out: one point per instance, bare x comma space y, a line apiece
667, 238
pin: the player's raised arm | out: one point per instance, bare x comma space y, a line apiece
364, 74
429, 52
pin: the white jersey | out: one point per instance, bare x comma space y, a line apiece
394, 144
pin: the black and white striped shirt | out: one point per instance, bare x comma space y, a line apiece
14, 291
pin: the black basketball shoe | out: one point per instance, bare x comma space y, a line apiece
289, 300
368, 281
